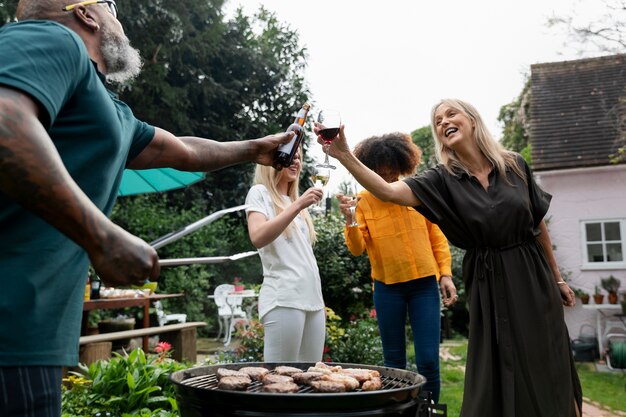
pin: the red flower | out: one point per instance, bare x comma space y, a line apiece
372, 313
352, 317
162, 347
326, 349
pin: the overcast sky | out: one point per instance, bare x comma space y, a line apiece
383, 64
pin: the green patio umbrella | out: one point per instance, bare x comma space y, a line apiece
156, 180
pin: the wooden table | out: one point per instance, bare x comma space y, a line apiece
113, 303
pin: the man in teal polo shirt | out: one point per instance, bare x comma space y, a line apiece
65, 140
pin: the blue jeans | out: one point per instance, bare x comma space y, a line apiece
420, 298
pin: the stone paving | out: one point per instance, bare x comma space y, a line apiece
595, 410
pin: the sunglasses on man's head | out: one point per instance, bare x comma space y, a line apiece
111, 5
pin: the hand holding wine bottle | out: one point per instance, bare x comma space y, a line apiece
284, 155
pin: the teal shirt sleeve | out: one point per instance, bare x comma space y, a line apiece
30, 47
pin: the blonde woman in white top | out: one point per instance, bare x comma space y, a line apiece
291, 307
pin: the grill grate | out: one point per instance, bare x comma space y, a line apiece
209, 382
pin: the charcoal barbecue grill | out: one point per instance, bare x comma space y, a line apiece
198, 396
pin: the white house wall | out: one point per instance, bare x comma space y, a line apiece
578, 195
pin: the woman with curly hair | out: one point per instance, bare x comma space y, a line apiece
484, 198
408, 255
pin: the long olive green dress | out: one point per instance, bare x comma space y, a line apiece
519, 361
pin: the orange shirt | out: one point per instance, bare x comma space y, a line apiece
401, 244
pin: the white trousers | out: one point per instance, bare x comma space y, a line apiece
293, 335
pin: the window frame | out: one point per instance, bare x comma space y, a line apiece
586, 264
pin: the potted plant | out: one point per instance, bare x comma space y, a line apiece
582, 294
239, 285
611, 285
598, 297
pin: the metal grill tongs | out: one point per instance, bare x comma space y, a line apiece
174, 236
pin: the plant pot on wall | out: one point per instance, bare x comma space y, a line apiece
612, 298
598, 298
584, 298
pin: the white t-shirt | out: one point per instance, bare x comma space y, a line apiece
290, 274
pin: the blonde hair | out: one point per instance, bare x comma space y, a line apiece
270, 177
499, 157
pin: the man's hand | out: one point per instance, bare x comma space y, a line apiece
121, 259
267, 147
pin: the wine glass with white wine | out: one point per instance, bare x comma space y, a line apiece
352, 193
320, 179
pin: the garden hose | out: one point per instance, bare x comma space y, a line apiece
617, 353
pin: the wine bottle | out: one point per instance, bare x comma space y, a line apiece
95, 287
285, 153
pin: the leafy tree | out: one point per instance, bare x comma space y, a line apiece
228, 80
423, 137
516, 119
7, 11
603, 34
346, 281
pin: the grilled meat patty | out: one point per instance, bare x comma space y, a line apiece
234, 383
287, 370
273, 379
328, 386
281, 387
255, 372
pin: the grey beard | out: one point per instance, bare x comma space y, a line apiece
122, 61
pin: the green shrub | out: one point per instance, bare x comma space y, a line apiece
346, 282
354, 341
128, 385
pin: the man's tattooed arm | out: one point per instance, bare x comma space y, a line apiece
33, 175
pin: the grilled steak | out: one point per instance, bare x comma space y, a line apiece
281, 387
255, 372
286, 370
234, 383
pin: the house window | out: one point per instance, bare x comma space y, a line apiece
604, 242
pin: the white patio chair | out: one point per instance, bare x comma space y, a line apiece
164, 319
229, 310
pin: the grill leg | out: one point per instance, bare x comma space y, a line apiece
427, 408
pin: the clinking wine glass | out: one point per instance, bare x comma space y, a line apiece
320, 179
352, 195
330, 121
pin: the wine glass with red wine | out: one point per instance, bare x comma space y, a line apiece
330, 120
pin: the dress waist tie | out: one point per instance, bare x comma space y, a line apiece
485, 267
